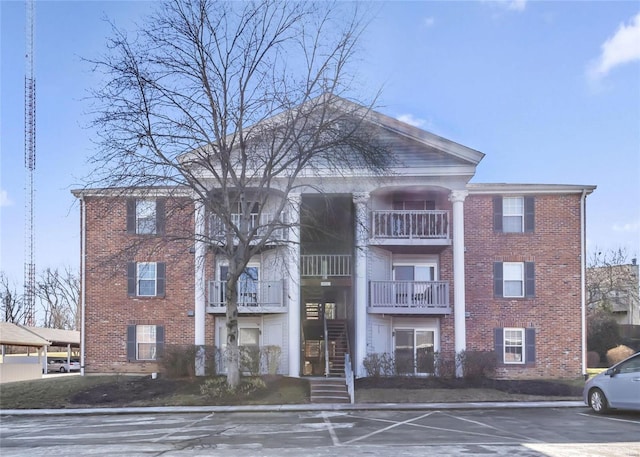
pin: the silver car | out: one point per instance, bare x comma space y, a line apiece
618, 387
61, 365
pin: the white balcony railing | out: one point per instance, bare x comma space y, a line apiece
412, 297
260, 222
325, 265
410, 224
250, 294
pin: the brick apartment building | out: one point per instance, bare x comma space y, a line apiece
443, 265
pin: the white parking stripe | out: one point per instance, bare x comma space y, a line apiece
397, 424
332, 432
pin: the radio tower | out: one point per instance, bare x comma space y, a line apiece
30, 166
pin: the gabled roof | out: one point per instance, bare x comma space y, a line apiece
15, 335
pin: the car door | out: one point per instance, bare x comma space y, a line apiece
624, 385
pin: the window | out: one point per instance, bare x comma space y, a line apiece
145, 342
515, 346
145, 216
414, 350
514, 279
513, 214
146, 279
247, 284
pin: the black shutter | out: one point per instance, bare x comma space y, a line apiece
131, 279
497, 214
530, 345
161, 279
131, 343
529, 280
497, 279
131, 215
529, 214
498, 343
160, 216
159, 341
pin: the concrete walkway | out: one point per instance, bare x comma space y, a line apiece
293, 408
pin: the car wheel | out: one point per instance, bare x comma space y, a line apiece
62, 370
598, 401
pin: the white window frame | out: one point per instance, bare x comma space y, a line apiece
140, 270
508, 277
146, 334
511, 210
421, 328
146, 217
521, 345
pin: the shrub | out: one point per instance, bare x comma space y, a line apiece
593, 359
477, 364
445, 365
250, 360
377, 365
603, 333
218, 388
618, 354
270, 356
179, 361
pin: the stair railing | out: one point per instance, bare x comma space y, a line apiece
348, 375
326, 346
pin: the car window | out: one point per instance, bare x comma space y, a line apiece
630, 366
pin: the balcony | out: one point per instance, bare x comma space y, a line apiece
259, 222
428, 227
409, 297
325, 265
253, 297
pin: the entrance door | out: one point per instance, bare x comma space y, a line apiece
414, 351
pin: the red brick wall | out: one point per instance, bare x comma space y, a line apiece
109, 310
555, 311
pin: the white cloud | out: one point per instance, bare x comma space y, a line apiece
629, 227
429, 21
4, 199
511, 5
411, 120
623, 47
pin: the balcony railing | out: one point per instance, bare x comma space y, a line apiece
218, 228
432, 225
251, 294
409, 297
325, 265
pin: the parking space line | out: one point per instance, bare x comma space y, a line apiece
332, 432
499, 430
397, 424
191, 424
609, 418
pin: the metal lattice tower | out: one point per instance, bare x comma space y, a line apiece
30, 166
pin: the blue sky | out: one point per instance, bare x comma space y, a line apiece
549, 91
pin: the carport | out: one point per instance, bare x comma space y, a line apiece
17, 368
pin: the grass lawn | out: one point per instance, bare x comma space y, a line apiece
74, 391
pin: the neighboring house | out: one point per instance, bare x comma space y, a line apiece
616, 288
442, 265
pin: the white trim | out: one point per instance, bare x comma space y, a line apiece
504, 279
525, 189
155, 279
522, 347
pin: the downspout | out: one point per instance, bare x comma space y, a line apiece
583, 273
83, 254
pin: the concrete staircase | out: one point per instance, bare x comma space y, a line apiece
338, 346
329, 390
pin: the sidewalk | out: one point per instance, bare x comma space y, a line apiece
292, 408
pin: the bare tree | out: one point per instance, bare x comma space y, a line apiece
58, 294
11, 302
612, 282
234, 102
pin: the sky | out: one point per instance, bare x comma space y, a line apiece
549, 91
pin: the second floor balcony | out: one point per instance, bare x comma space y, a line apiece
416, 227
253, 297
409, 297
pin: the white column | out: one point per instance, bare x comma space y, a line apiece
361, 200
460, 333
200, 287
293, 289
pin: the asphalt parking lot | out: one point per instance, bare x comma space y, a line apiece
555, 432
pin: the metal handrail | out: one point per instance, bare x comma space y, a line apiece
348, 375
326, 345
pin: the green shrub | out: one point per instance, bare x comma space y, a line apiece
217, 388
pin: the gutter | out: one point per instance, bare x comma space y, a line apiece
583, 272
83, 254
